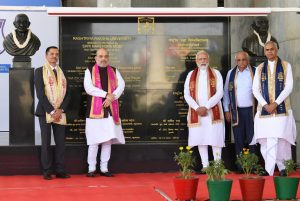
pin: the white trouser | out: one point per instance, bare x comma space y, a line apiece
104, 157
203, 151
275, 151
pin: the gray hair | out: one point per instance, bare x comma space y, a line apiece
102, 48
271, 42
242, 52
202, 52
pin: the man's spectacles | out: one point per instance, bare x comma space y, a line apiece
238, 60
102, 56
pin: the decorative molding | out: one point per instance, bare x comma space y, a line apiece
155, 12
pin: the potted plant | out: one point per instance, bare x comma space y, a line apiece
252, 185
219, 188
185, 184
286, 187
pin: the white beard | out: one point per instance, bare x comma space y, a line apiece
203, 66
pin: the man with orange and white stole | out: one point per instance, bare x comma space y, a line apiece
103, 85
203, 91
51, 90
274, 123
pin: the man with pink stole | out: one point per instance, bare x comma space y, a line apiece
103, 85
203, 91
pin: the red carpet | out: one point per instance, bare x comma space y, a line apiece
123, 187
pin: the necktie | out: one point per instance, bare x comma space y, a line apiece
55, 73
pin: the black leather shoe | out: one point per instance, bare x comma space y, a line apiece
47, 176
91, 174
62, 175
282, 173
106, 174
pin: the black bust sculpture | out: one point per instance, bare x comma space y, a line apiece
254, 44
21, 42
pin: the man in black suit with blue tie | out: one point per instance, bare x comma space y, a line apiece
51, 90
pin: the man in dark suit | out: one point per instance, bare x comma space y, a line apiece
51, 90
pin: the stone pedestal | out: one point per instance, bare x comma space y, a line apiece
21, 62
21, 106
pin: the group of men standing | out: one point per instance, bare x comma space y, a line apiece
247, 89
103, 85
256, 102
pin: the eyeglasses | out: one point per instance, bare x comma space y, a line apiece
102, 56
238, 60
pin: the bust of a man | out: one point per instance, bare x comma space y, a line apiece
21, 42
254, 43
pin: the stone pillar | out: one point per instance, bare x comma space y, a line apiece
21, 106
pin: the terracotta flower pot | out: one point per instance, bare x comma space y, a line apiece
185, 189
252, 188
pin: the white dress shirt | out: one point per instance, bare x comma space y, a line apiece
53, 67
243, 89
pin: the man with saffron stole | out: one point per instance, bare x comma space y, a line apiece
239, 103
203, 91
274, 123
53, 96
103, 85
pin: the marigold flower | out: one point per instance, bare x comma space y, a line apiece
180, 148
188, 148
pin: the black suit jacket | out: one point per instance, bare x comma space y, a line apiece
44, 105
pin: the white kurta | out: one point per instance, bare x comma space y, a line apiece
276, 126
206, 133
102, 130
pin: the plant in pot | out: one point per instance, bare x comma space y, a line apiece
185, 184
252, 185
219, 187
286, 187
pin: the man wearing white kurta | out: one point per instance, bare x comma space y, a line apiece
103, 85
203, 90
274, 124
